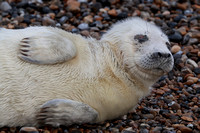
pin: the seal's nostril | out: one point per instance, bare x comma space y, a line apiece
163, 55
168, 55
159, 54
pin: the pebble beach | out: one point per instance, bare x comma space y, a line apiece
174, 103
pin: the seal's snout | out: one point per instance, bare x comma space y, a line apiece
163, 60
161, 55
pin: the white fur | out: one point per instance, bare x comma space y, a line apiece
103, 73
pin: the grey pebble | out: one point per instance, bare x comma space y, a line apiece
5, 6
83, 26
63, 19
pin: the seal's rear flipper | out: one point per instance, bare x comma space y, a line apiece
65, 112
50, 48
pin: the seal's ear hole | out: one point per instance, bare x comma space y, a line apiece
168, 45
141, 38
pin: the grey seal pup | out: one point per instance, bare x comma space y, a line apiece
52, 77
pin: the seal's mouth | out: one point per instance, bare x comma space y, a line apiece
154, 71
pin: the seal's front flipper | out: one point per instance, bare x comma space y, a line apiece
46, 49
65, 112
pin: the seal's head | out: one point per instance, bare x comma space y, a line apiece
143, 48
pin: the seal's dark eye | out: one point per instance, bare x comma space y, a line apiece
168, 45
141, 38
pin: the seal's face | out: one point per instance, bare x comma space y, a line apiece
152, 57
142, 47
148, 56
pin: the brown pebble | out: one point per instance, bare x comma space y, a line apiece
185, 129
73, 5
52, 15
187, 118
165, 13
194, 51
160, 92
175, 106
182, 30
189, 82
112, 12
54, 7
88, 19
182, 6
193, 79
85, 33
28, 130
198, 54
175, 49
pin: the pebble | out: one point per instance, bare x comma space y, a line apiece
73, 5
176, 37
175, 95
112, 12
175, 106
175, 49
128, 130
187, 118
192, 62
5, 6
182, 30
166, 13
63, 19
83, 26
46, 21
28, 130
197, 70
194, 79
182, 6
88, 19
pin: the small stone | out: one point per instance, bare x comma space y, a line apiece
46, 10
83, 26
112, 12
187, 118
145, 15
194, 79
176, 37
157, 129
194, 51
28, 130
182, 30
122, 15
85, 33
160, 92
191, 62
175, 106
99, 24
73, 5
166, 13
144, 131
53, 7
5, 6
63, 19
185, 129
148, 116
175, 49
196, 35
198, 54
48, 21
193, 41
197, 70
189, 82
182, 6
88, 19
128, 130
190, 126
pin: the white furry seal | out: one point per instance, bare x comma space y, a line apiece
81, 80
